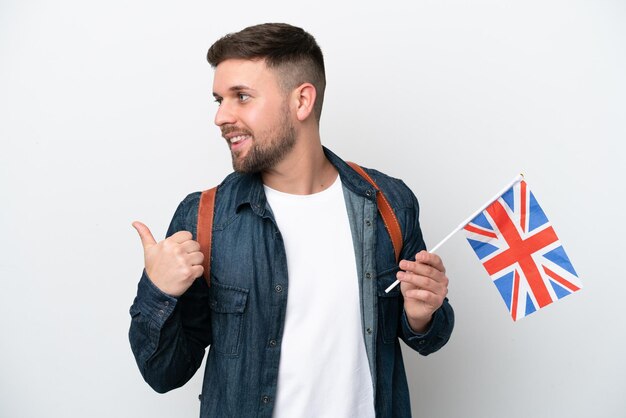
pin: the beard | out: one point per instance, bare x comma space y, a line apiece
268, 148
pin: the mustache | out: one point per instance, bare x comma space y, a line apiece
228, 129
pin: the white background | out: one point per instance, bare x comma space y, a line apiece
106, 117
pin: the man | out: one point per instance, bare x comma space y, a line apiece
296, 315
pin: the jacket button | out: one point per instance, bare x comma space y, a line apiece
278, 288
369, 192
272, 343
265, 399
369, 330
368, 222
368, 275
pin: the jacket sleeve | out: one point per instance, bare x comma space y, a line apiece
168, 335
442, 323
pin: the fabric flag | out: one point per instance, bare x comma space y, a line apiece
518, 247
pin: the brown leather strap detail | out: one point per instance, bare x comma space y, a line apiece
387, 213
204, 230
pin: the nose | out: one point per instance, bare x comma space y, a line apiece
224, 115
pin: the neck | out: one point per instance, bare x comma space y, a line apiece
305, 170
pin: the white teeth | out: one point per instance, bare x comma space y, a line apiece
238, 138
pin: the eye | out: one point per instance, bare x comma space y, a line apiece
218, 100
243, 97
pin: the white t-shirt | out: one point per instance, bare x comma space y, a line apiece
323, 370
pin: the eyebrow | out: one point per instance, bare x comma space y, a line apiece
235, 88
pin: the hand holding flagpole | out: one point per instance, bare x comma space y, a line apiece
465, 222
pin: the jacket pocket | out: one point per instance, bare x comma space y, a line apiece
389, 307
228, 305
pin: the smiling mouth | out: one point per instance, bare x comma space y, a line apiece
239, 138
237, 143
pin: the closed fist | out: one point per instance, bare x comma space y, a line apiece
172, 264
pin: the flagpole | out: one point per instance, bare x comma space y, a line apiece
513, 182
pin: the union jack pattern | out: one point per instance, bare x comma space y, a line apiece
519, 249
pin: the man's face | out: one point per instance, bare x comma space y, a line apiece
253, 114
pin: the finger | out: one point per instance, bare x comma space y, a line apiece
181, 236
425, 283
424, 296
190, 246
147, 240
421, 282
430, 259
421, 269
195, 258
197, 271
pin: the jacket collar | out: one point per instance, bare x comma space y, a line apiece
350, 178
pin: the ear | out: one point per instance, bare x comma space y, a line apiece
305, 96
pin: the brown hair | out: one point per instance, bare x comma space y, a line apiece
289, 50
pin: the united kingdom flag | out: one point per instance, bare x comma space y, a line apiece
521, 252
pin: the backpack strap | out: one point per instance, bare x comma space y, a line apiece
387, 213
204, 231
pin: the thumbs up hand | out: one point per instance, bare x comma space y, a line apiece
172, 264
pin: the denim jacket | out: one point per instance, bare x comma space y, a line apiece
242, 314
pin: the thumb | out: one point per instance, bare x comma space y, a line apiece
147, 240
